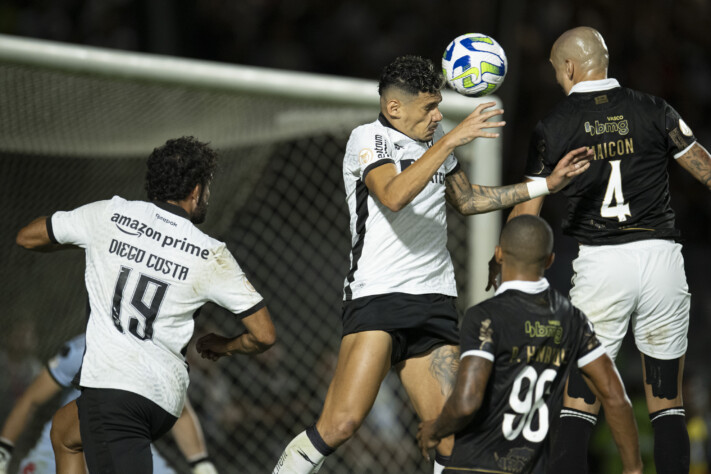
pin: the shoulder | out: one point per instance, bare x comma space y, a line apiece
368, 131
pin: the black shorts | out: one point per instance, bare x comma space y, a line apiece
117, 428
416, 323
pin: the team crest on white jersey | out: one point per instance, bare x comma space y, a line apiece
365, 156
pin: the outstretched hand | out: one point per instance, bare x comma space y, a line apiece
475, 125
212, 346
494, 272
575, 162
426, 438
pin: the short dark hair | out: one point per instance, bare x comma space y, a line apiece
412, 74
175, 168
528, 239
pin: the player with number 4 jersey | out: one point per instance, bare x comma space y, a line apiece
629, 270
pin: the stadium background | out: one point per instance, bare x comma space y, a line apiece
288, 222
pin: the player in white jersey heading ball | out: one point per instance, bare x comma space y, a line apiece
398, 311
148, 271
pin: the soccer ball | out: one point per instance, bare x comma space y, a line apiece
474, 64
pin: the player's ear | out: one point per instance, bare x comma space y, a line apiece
393, 107
569, 69
550, 260
499, 254
195, 193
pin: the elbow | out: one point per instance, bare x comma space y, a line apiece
394, 205
266, 339
24, 240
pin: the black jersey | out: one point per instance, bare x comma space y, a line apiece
624, 196
532, 334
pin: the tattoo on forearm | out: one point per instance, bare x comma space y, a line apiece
474, 199
698, 163
443, 367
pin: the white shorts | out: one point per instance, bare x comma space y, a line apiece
643, 282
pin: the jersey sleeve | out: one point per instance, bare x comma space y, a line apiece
371, 149
477, 336
590, 346
230, 288
67, 362
678, 134
539, 163
75, 227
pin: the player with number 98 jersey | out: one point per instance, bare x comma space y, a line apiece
532, 334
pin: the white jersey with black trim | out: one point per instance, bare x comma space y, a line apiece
148, 271
403, 251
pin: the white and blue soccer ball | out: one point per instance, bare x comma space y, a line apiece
474, 64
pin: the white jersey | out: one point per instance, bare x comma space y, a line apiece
63, 367
148, 271
403, 251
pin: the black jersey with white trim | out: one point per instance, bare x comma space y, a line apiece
624, 196
532, 334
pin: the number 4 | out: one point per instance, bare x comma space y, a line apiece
614, 191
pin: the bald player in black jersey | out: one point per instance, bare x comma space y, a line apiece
517, 350
629, 268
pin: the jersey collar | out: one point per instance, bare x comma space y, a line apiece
531, 287
172, 208
594, 86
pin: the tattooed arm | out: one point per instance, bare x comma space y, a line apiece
697, 161
470, 198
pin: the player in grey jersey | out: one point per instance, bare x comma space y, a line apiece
629, 269
399, 172
148, 272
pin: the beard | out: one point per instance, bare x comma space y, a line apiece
200, 213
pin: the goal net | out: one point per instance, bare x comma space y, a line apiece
77, 124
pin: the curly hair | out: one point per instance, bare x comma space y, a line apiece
412, 74
175, 168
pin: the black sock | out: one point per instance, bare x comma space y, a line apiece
441, 459
318, 441
569, 451
671, 441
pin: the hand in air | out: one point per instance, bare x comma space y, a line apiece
494, 272
575, 162
212, 346
476, 125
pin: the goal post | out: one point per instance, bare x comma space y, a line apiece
77, 124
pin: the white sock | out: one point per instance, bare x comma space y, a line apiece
299, 457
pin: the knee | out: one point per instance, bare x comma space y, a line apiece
339, 430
